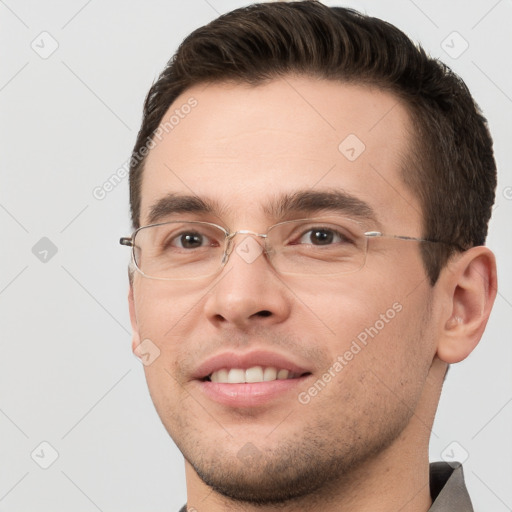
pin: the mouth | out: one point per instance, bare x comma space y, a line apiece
250, 380
253, 374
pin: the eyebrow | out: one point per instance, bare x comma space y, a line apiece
324, 201
281, 207
176, 203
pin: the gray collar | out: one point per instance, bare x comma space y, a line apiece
447, 488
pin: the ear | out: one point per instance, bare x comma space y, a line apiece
133, 320
469, 284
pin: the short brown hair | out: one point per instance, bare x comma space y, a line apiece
450, 167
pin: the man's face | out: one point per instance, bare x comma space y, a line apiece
243, 148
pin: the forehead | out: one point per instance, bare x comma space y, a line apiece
240, 146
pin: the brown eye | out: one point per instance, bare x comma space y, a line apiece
189, 240
323, 236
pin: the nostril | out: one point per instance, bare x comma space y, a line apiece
264, 313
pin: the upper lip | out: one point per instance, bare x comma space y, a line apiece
247, 360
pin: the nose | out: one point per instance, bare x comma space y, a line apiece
248, 292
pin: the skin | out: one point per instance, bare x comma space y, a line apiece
362, 442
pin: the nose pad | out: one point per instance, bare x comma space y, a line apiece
228, 250
226, 254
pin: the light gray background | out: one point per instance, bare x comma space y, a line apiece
67, 374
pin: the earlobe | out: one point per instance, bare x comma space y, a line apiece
133, 320
469, 283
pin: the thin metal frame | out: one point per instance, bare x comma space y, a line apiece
128, 241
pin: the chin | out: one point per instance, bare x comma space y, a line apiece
290, 470
259, 481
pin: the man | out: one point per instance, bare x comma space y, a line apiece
310, 194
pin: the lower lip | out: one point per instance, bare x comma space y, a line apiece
250, 394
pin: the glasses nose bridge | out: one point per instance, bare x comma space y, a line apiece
230, 237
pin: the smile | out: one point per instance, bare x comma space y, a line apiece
250, 375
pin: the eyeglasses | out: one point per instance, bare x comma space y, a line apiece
179, 250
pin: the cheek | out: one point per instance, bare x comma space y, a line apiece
163, 313
379, 362
162, 308
380, 323
347, 307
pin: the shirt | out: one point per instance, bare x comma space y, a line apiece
447, 489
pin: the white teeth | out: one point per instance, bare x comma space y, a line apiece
236, 376
282, 374
220, 376
253, 374
270, 373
